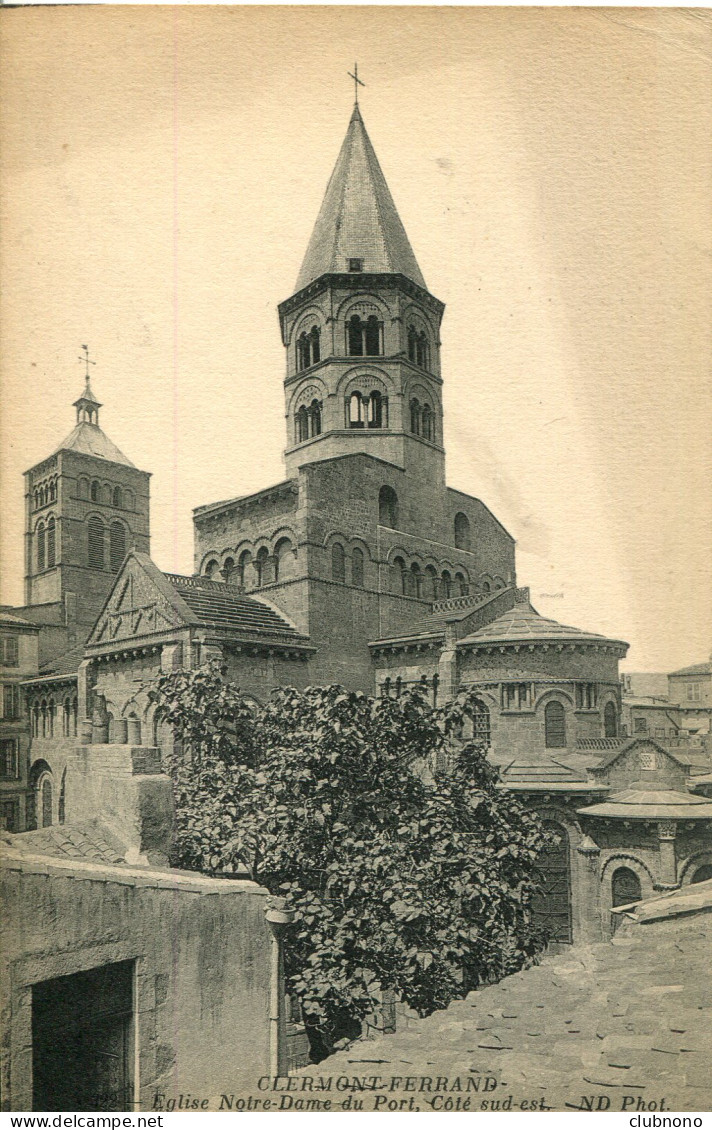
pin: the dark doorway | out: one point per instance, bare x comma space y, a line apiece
82, 1040
551, 906
625, 887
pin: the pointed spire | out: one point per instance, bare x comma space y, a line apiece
358, 221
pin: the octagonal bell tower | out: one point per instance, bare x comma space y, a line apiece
362, 331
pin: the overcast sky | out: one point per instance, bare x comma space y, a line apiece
163, 168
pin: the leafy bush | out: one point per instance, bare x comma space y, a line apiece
402, 876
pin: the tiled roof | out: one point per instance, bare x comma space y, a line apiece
522, 624
696, 669
65, 664
546, 771
218, 605
358, 219
641, 803
14, 621
89, 439
629, 1017
70, 841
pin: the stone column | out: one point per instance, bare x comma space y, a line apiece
447, 667
84, 692
133, 734
667, 831
588, 894
118, 731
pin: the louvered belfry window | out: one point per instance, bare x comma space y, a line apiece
117, 546
96, 543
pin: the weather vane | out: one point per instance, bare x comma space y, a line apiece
357, 81
85, 360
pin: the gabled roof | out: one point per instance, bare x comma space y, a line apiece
358, 219
696, 669
679, 756
160, 602
216, 604
523, 624
89, 439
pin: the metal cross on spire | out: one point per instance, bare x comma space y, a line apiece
357, 81
85, 360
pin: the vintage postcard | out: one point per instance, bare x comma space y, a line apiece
355, 748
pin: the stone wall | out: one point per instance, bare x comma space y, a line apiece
201, 952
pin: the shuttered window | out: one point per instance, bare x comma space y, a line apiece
117, 546
51, 543
555, 725
96, 543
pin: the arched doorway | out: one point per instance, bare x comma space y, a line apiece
610, 721
625, 889
551, 906
555, 725
702, 873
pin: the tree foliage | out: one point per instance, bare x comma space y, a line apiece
403, 876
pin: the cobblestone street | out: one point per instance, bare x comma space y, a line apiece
616, 1026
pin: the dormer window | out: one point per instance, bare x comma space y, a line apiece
355, 265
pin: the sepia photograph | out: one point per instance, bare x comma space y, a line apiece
355, 560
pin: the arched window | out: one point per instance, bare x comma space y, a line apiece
117, 546
446, 585
228, 569
427, 422
551, 905
432, 583
53, 491
702, 874
415, 417
388, 507
51, 715
35, 719
625, 887
83, 488
314, 414
117, 500
461, 585
338, 563
417, 579
421, 350
62, 803
315, 345
355, 336
211, 570
45, 805
243, 565
94, 492
282, 551
356, 410
375, 410
41, 546
44, 718
555, 725
412, 346
301, 425
67, 718
357, 568
486, 586
261, 566
364, 338
51, 543
128, 500
462, 531
308, 348
610, 720
401, 575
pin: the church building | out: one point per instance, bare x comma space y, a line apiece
361, 567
